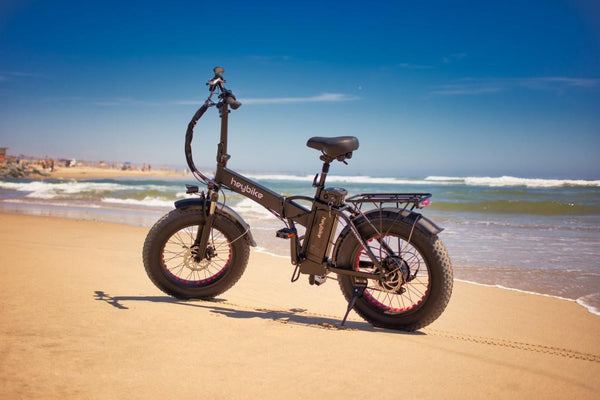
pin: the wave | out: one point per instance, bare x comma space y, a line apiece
588, 301
358, 179
145, 202
504, 181
548, 208
49, 190
48, 187
71, 189
280, 177
501, 181
250, 209
42, 202
583, 301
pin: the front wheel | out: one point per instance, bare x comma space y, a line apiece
417, 281
170, 257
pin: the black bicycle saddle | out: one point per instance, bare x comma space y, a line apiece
338, 148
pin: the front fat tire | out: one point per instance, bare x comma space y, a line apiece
167, 258
416, 307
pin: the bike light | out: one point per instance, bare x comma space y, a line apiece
424, 203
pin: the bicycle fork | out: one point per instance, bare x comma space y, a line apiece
200, 246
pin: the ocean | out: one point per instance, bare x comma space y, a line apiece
534, 235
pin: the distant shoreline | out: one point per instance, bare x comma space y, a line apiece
86, 172
81, 171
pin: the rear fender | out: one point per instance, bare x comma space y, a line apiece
221, 208
420, 222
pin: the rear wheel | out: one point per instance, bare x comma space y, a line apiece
417, 281
170, 256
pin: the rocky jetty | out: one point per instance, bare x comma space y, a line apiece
21, 170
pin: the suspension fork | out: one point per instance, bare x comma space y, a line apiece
202, 236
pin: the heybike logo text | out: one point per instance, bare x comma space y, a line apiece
321, 227
245, 188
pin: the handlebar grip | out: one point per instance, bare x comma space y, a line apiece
233, 103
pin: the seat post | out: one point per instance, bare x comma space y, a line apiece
321, 184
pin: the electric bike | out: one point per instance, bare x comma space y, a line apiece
390, 264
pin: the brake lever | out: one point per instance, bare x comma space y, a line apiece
217, 80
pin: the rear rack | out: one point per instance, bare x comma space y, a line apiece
401, 200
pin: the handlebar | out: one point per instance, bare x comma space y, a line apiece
232, 101
226, 95
227, 99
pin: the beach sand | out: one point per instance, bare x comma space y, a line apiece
91, 172
80, 320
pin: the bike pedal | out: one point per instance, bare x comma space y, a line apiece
286, 233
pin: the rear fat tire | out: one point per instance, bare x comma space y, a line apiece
170, 265
423, 299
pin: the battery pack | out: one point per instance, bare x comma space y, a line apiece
318, 242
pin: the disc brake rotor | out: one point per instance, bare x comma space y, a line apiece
190, 260
397, 273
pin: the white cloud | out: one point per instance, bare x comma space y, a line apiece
467, 89
472, 86
126, 101
414, 66
325, 97
320, 98
453, 57
551, 82
6, 75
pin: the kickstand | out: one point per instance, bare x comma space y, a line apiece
357, 291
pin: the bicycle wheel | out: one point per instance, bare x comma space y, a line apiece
169, 255
417, 281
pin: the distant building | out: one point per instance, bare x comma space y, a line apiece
3, 153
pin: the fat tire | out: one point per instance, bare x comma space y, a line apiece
433, 254
186, 219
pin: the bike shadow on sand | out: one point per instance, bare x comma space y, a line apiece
293, 316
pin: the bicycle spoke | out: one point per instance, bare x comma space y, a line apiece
395, 295
181, 265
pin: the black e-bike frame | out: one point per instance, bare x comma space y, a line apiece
310, 255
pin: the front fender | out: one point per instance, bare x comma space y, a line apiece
222, 209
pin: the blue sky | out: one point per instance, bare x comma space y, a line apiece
462, 88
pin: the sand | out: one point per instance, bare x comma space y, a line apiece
80, 320
90, 172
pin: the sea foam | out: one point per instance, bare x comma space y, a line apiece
501, 181
504, 181
145, 202
582, 301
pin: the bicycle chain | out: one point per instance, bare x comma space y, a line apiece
536, 348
